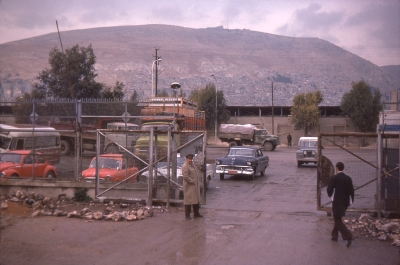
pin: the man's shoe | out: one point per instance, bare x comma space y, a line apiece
349, 242
198, 215
334, 239
188, 218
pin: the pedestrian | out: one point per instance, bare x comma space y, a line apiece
191, 191
289, 140
340, 186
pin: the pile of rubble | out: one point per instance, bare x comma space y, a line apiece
45, 206
382, 229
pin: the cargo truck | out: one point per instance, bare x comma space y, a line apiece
247, 134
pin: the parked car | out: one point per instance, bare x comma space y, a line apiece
25, 164
307, 151
242, 160
162, 169
112, 167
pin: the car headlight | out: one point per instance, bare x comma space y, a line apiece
313, 152
2, 175
248, 163
217, 162
304, 152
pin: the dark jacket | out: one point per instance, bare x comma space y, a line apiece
341, 187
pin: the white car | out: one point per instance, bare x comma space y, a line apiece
162, 170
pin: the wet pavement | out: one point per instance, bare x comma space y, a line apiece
269, 220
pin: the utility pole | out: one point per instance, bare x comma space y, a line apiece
272, 108
156, 58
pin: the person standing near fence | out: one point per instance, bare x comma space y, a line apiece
191, 192
340, 186
289, 140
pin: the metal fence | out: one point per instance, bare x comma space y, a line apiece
369, 160
82, 140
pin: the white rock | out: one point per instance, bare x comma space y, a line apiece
3, 205
97, 215
130, 217
84, 211
88, 216
382, 237
36, 213
364, 218
73, 214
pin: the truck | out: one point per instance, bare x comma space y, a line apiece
180, 114
88, 134
247, 134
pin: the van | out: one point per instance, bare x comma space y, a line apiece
307, 151
41, 139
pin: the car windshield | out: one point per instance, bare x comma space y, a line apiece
15, 158
242, 152
106, 163
308, 143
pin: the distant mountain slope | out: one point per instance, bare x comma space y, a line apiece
244, 62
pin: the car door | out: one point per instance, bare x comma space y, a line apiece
263, 159
40, 165
27, 167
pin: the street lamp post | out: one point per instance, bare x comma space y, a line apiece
175, 86
152, 78
216, 110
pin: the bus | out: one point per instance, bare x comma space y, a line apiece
45, 140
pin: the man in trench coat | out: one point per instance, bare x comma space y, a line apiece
341, 187
191, 191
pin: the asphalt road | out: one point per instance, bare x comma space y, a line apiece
269, 220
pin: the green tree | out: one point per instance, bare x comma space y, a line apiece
361, 106
205, 99
72, 75
133, 107
114, 93
22, 109
305, 110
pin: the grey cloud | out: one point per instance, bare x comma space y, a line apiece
383, 19
312, 18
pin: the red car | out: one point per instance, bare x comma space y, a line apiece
112, 167
24, 164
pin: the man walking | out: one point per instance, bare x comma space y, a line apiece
340, 186
191, 196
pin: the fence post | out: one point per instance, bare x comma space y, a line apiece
150, 198
78, 140
379, 170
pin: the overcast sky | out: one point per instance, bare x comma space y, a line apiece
367, 28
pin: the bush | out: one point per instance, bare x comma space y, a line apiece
80, 195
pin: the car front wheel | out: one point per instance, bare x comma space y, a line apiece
221, 176
50, 175
262, 173
299, 164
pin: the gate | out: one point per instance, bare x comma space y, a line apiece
369, 160
159, 175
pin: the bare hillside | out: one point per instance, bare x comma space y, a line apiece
244, 62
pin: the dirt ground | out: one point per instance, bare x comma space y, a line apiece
269, 220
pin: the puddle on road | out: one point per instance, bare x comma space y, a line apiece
228, 226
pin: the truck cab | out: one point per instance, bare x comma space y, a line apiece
128, 140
